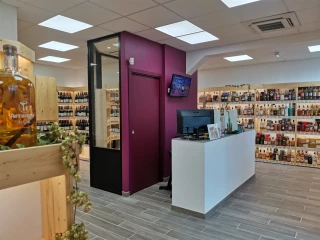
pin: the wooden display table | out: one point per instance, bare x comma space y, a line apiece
42, 164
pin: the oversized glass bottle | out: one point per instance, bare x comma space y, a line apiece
17, 104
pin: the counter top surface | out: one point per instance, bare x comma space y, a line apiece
208, 141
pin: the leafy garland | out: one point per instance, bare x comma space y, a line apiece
69, 145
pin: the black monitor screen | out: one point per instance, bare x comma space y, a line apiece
188, 120
180, 86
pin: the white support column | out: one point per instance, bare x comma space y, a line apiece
8, 22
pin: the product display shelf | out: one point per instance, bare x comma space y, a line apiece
296, 118
113, 117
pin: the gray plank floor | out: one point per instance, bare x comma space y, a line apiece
282, 202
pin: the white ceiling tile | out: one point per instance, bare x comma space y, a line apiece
230, 31
163, 1
30, 13
240, 39
295, 52
91, 33
56, 6
124, 24
310, 27
153, 35
156, 17
125, 7
91, 14
297, 5
192, 8
216, 19
22, 25
309, 15
279, 33
259, 9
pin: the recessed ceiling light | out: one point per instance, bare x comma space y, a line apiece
109, 47
315, 48
65, 24
54, 59
238, 58
116, 44
200, 37
179, 29
58, 46
235, 3
117, 72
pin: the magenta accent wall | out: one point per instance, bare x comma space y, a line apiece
159, 59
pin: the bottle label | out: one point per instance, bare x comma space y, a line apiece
24, 116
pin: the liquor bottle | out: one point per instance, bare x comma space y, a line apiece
307, 111
290, 110
264, 110
286, 110
17, 104
318, 94
303, 111
257, 96
311, 110
268, 110
316, 111
279, 111
282, 110
318, 157
292, 156
310, 94
261, 111
315, 127
264, 154
314, 94
306, 94
302, 94
293, 95
314, 159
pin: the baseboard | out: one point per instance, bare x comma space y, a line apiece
215, 208
125, 194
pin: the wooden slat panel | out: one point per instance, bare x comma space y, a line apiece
57, 213
27, 165
46, 99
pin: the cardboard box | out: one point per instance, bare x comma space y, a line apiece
303, 145
303, 140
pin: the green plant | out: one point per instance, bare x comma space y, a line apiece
70, 145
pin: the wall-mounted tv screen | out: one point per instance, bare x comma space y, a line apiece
180, 86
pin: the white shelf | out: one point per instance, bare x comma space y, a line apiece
276, 162
273, 146
309, 133
281, 117
275, 102
308, 117
65, 104
308, 101
201, 103
245, 116
246, 102
276, 132
307, 149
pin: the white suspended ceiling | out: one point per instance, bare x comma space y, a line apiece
142, 16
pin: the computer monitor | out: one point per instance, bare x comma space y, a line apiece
194, 121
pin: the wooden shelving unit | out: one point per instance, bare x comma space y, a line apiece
113, 117
292, 134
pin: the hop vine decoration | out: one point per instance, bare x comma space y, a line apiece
70, 158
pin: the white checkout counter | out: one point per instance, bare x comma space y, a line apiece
206, 173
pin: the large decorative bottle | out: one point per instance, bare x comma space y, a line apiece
17, 104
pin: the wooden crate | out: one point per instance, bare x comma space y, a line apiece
44, 163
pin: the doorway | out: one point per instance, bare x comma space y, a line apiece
144, 123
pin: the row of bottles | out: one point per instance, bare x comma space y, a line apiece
279, 140
115, 112
81, 97
66, 124
207, 97
114, 95
276, 110
275, 95
64, 97
314, 110
311, 93
65, 111
87, 141
308, 127
282, 125
82, 125
237, 97
82, 111
115, 131
247, 123
245, 111
275, 154
43, 126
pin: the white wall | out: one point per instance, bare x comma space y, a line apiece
65, 77
20, 212
110, 73
279, 72
8, 22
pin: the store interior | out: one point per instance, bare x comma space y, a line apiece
111, 69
